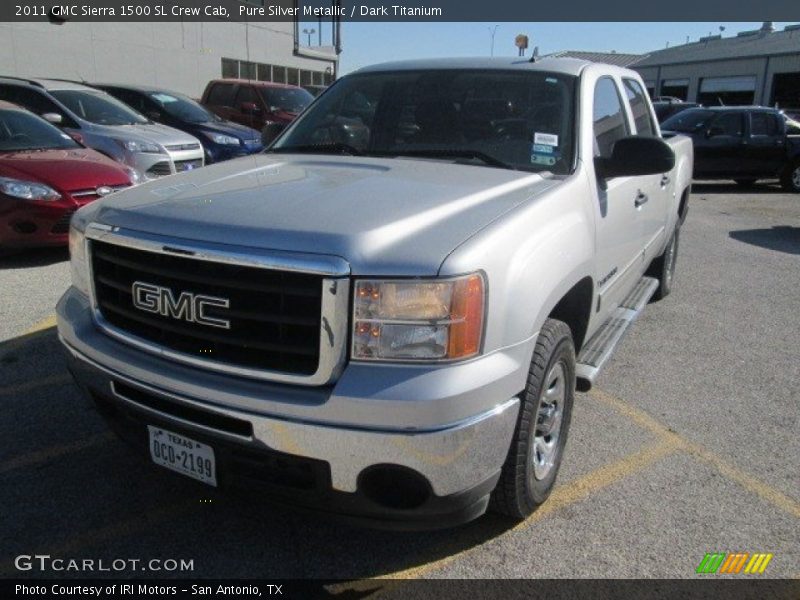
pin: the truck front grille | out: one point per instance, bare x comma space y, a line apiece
274, 316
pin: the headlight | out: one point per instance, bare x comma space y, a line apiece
78, 265
135, 176
134, 147
418, 319
221, 138
27, 190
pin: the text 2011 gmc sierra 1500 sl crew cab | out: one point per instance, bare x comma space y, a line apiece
385, 315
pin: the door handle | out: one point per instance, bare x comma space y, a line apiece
664, 181
641, 198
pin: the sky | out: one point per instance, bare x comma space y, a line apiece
369, 43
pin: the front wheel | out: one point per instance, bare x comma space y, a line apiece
791, 178
537, 448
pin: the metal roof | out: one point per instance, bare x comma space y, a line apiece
618, 59
756, 43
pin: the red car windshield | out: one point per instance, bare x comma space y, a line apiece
20, 130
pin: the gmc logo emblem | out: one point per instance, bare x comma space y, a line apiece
187, 307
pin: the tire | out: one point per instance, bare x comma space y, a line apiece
746, 183
663, 267
791, 178
532, 464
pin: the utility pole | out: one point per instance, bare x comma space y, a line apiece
492, 32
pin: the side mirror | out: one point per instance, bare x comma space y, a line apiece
54, 118
633, 156
249, 108
271, 131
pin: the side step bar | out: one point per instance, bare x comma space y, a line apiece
596, 352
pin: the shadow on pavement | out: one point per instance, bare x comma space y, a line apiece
782, 238
71, 488
38, 257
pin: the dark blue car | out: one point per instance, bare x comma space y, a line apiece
222, 140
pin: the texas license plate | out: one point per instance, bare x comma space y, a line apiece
182, 454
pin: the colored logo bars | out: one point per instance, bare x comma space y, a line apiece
733, 563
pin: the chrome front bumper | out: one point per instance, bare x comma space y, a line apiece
454, 452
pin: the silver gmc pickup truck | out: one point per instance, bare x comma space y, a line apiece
387, 314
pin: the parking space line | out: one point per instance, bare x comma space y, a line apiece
20, 388
563, 496
46, 323
41, 456
727, 470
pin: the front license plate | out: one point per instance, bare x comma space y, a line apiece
182, 454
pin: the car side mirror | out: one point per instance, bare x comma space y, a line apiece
271, 131
54, 118
635, 155
249, 108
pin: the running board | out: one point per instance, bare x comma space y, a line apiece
599, 349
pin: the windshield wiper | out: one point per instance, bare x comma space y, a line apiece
454, 153
331, 148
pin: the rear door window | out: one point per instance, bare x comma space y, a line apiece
639, 109
765, 124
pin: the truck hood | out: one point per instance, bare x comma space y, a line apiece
384, 216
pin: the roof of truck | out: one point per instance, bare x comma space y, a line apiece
567, 66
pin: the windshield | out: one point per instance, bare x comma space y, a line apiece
515, 119
98, 107
792, 127
183, 108
23, 131
292, 100
688, 121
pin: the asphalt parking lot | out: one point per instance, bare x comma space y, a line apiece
689, 444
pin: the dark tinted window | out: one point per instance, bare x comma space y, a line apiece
728, 124
98, 107
34, 101
289, 99
246, 94
608, 117
181, 107
688, 121
20, 130
639, 108
132, 99
764, 124
221, 94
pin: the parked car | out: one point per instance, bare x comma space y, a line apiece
255, 103
393, 329
743, 143
45, 176
221, 139
105, 124
664, 110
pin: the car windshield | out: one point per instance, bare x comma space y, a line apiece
98, 107
512, 119
292, 100
792, 127
20, 130
688, 121
183, 108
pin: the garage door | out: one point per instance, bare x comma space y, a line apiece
730, 91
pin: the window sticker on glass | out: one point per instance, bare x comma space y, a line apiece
548, 139
164, 98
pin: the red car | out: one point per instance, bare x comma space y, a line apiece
45, 176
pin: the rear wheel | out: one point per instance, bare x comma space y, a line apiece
663, 267
537, 448
791, 178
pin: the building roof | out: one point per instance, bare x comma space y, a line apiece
746, 44
618, 59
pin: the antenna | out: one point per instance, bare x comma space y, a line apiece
535, 54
